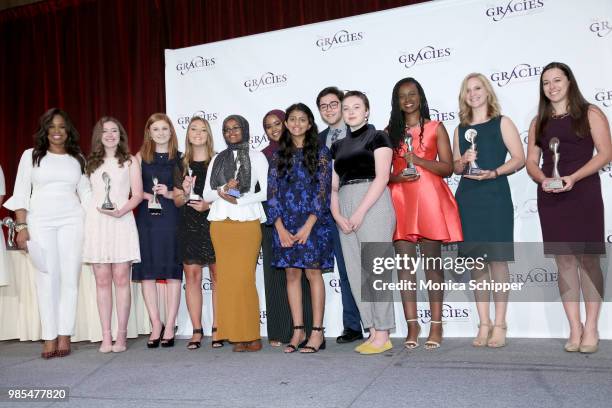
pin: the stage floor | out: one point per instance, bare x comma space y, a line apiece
527, 372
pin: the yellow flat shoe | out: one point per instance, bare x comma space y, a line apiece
370, 349
361, 346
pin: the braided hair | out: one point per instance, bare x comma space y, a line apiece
397, 121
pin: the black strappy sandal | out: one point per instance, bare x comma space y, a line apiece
194, 345
290, 348
311, 348
216, 343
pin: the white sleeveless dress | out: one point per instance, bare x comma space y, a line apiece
109, 239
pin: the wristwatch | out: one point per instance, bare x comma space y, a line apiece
21, 226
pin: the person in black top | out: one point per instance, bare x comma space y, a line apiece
328, 102
194, 244
362, 207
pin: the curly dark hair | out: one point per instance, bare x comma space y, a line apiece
96, 156
397, 121
287, 149
41, 138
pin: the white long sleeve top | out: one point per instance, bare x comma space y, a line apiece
248, 207
54, 189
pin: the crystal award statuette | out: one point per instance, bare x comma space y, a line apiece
473, 169
556, 183
192, 195
154, 205
11, 245
233, 191
107, 205
410, 170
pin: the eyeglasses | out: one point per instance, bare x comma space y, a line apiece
234, 129
325, 106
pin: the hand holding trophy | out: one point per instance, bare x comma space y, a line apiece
556, 183
410, 170
107, 205
473, 168
192, 194
232, 189
11, 245
154, 205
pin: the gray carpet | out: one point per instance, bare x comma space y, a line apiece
527, 372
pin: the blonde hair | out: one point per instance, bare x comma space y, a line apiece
208, 146
147, 150
465, 111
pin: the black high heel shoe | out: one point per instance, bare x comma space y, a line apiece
216, 343
194, 345
169, 342
311, 349
290, 348
155, 343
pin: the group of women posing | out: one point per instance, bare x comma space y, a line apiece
212, 206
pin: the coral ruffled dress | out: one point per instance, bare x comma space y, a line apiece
424, 208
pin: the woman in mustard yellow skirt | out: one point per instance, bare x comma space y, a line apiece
235, 214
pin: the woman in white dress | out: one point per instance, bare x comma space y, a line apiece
3, 261
111, 237
49, 189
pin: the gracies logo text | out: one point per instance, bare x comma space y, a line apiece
256, 141
196, 64
267, 80
183, 119
513, 8
442, 116
602, 28
342, 38
521, 72
424, 55
604, 97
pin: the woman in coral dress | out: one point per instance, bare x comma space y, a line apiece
426, 211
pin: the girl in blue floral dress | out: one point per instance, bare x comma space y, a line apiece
299, 189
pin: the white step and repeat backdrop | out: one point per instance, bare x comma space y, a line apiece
438, 43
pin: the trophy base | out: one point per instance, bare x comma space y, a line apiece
474, 171
410, 172
155, 208
107, 206
234, 193
555, 184
194, 198
11, 247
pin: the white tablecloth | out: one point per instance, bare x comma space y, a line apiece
19, 318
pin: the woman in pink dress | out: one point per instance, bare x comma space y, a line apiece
426, 211
111, 238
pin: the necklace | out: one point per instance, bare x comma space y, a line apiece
561, 116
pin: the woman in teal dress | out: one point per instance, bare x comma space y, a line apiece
485, 203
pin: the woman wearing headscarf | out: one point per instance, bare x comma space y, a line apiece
237, 185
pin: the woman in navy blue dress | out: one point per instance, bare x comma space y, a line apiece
157, 233
299, 189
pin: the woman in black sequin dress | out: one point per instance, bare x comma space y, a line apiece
195, 246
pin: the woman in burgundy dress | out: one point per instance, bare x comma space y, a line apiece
571, 215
